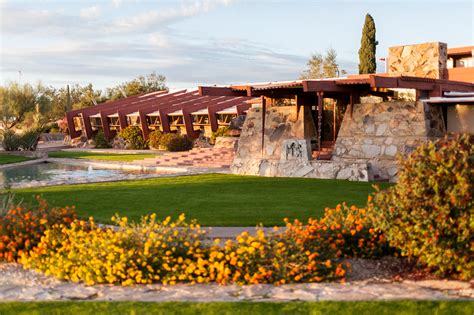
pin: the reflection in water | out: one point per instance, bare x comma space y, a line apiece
56, 171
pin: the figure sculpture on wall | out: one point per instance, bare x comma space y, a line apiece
294, 150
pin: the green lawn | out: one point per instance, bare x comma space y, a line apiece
8, 159
360, 308
100, 156
213, 199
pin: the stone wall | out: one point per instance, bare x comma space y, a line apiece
287, 151
428, 60
376, 133
281, 123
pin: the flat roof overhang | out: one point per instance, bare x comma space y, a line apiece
345, 85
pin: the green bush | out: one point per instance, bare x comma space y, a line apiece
134, 138
221, 132
174, 142
154, 139
101, 141
11, 141
29, 140
429, 214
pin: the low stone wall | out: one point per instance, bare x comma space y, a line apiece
354, 171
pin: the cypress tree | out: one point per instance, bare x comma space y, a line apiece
367, 62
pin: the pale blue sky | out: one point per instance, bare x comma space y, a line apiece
207, 41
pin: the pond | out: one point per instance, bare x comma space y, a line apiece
59, 173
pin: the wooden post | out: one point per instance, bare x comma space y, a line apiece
105, 125
264, 110
320, 119
87, 125
334, 121
351, 102
298, 106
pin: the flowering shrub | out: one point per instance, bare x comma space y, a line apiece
342, 232
21, 228
273, 258
131, 254
429, 213
171, 252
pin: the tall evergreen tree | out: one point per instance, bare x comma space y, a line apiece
367, 61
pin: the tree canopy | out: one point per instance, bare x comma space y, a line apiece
320, 66
36, 106
368, 43
141, 84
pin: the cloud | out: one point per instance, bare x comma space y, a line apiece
90, 12
109, 63
165, 16
117, 3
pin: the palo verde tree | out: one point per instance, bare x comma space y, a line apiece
15, 102
368, 43
320, 66
151, 83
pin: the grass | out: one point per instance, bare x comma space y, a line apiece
213, 199
361, 308
100, 156
8, 159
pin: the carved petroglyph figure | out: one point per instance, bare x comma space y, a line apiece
294, 150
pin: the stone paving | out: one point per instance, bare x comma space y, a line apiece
17, 284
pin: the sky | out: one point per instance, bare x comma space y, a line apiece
207, 42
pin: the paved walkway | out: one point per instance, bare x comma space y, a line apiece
17, 284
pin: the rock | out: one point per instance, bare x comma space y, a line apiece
381, 130
442, 284
370, 150
303, 171
391, 150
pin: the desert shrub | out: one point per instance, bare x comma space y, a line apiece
11, 141
134, 138
174, 142
29, 140
179, 143
429, 214
342, 232
154, 139
100, 141
22, 227
221, 132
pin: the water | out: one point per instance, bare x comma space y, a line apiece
58, 172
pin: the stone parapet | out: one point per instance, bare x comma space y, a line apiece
428, 60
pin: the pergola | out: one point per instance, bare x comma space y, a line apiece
312, 92
158, 110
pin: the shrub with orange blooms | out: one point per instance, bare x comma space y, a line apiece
274, 258
343, 232
21, 228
